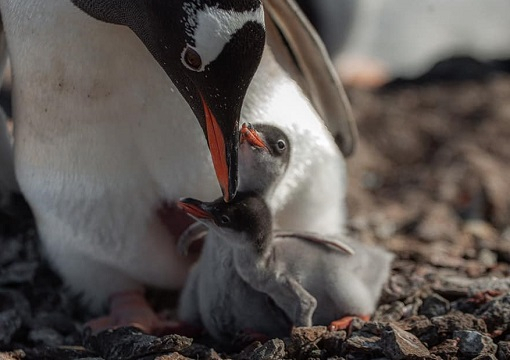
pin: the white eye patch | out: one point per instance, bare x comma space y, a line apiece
212, 28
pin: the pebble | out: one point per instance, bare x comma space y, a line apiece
473, 343
128, 342
496, 314
446, 350
272, 350
434, 305
398, 344
504, 350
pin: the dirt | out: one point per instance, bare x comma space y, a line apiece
430, 181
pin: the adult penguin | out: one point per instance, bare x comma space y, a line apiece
105, 134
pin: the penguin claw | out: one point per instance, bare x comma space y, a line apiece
130, 308
345, 322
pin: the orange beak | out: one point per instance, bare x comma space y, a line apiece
193, 208
250, 135
226, 170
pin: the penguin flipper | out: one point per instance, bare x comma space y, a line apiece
329, 241
194, 232
320, 79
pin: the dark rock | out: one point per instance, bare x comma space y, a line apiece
447, 350
504, 350
332, 342
421, 327
486, 357
60, 353
360, 344
473, 343
434, 305
390, 312
127, 343
173, 356
45, 336
399, 344
447, 324
496, 314
272, 350
307, 335
200, 352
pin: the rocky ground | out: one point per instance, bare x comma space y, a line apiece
430, 181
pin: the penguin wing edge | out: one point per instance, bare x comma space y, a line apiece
324, 88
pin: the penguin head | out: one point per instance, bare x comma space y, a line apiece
245, 221
264, 155
210, 49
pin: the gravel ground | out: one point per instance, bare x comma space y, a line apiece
429, 182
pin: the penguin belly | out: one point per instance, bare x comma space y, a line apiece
103, 137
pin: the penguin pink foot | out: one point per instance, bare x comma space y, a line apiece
130, 308
345, 322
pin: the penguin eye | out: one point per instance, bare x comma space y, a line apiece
192, 59
224, 219
281, 145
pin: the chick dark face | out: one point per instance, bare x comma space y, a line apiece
210, 49
246, 219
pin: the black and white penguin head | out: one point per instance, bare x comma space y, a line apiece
264, 155
245, 221
210, 49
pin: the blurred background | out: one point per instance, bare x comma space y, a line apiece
429, 83
430, 87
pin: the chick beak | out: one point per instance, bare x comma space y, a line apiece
252, 137
195, 208
224, 149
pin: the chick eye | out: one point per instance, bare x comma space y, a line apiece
225, 219
192, 59
281, 145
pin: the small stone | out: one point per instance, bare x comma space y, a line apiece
496, 314
202, 352
363, 344
504, 350
12, 355
46, 336
486, 357
272, 350
456, 320
332, 342
421, 327
434, 305
127, 342
307, 335
447, 350
390, 312
488, 284
172, 356
473, 343
440, 223
399, 344
60, 353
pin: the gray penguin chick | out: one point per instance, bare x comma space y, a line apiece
264, 154
245, 263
